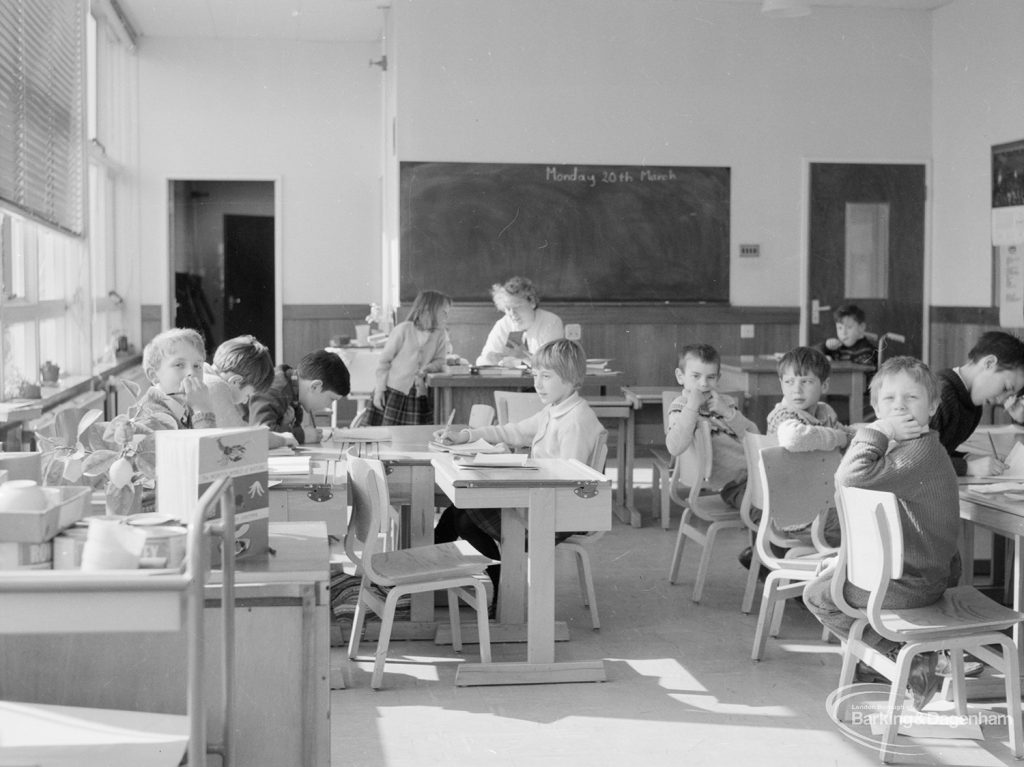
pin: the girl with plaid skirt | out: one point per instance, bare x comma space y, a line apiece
415, 347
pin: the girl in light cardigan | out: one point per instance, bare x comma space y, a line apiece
415, 347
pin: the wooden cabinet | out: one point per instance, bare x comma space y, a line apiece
282, 697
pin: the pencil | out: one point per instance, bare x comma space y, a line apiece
447, 426
992, 442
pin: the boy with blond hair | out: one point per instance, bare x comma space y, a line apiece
173, 362
241, 367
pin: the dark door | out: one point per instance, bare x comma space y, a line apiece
249, 278
866, 245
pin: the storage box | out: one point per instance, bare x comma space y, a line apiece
188, 461
26, 556
65, 506
73, 501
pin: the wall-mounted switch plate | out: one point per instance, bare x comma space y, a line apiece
573, 332
746, 331
750, 251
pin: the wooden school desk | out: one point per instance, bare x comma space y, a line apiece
758, 377
622, 409
463, 390
559, 496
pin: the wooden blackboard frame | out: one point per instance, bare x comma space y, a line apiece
582, 233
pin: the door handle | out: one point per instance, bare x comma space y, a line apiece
233, 302
816, 310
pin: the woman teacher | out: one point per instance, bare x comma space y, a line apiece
523, 329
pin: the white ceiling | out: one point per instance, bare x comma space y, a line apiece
323, 20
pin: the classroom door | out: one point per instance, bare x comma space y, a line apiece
866, 246
249, 277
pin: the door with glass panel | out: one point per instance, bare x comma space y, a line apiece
866, 247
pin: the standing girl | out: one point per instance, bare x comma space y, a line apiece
414, 348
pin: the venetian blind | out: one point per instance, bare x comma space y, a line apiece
42, 72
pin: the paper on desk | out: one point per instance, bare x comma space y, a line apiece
1014, 463
993, 488
502, 461
287, 464
1004, 437
467, 448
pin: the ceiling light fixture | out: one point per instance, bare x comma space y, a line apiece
785, 9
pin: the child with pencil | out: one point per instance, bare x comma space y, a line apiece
241, 367
565, 428
414, 348
992, 374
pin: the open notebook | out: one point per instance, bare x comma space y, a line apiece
467, 448
495, 461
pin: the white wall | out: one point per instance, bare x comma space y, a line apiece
305, 114
670, 83
978, 102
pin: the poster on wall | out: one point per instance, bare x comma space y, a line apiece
1008, 230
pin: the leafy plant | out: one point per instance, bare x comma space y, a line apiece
118, 456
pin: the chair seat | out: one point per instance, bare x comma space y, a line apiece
430, 563
961, 610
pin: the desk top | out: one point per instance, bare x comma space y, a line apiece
765, 363
523, 379
550, 472
300, 554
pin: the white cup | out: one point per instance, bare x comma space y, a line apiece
362, 334
112, 545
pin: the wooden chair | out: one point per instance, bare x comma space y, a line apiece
480, 416
454, 567
661, 467
705, 514
753, 498
962, 619
579, 544
514, 406
798, 488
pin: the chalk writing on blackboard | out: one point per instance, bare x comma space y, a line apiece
581, 232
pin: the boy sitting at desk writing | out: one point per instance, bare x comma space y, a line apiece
565, 428
698, 373
173, 363
320, 379
993, 374
899, 454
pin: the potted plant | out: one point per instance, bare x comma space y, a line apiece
116, 456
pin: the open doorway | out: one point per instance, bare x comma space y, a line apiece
222, 257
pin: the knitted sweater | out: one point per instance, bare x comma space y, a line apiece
728, 461
154, 400
802, 430
863, 352
404, 358
956, 417
919, 474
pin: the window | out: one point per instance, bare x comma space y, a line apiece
59, 297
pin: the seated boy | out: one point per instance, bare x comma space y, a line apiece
565, 428
993, 374
698, 373
899, 454
801, 420
242, 366
320, 379
850, 343
173, 362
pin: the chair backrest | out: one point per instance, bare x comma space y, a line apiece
753, 496
798, 489
369, 491
599, 457
872, 537
667, 398
480, 415
514, 406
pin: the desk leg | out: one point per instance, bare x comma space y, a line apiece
540, 568
635, 519
511, 597
421, 533
620, 463
856, 396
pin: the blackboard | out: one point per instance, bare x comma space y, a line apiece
582, 233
